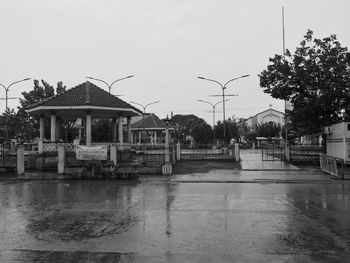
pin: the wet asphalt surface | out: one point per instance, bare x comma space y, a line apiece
170, 221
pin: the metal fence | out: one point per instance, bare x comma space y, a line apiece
309, 154
272, 152
207, 152
7, 160
332, 165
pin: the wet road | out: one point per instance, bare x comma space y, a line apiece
110, 221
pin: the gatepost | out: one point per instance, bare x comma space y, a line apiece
237, 153
61, 158
20, 159
113, 156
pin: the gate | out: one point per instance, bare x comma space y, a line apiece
7, 160
332, 165
272, 152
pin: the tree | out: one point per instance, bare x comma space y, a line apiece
191, 125
316, 80
30, 126
268, 130
202, 133
232, 130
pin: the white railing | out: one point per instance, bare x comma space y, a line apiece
332, 165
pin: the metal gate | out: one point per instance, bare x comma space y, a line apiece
7, 160
332, 165
272, 152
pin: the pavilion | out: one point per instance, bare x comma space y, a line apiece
150, 129
86, 101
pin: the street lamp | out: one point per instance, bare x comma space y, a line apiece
223, 87
144, 111
110, 85
213, 105
7, 98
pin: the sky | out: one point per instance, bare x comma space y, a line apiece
166, 44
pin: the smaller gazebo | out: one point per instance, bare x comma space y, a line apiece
150, 130
86, 101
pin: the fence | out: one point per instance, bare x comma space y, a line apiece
306, 154
7, 160
332, 165
272, 152
207, 152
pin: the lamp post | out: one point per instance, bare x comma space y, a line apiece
144, 110
7, 98
223, 87
213, 105
110, 85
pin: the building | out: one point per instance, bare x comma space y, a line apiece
266, 116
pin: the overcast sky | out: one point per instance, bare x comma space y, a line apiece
166, 44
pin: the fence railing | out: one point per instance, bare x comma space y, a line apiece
332, 165
306, 153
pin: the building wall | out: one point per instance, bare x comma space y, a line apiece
269, 115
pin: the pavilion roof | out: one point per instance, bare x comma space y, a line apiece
149, 122
86, 96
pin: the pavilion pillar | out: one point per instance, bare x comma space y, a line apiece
129, 129
140, 134
58, 133
88, 129
120, 129
42, 128
114, 129
53, 127
155, 137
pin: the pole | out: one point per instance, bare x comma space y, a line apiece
6, 103
110, 85
223, 96
285, 101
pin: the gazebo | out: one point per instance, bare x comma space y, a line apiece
86, 101
151, 127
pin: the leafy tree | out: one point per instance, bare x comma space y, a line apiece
315, 79
268, 130
30, 125
231, 127
202, 133
190, 125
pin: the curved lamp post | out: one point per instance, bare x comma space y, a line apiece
223, 87
110, 85
7, 98
213, 105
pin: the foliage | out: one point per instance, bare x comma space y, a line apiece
102, 131
202, 133
316, 80
231, 127
191, 125
26, 127
268, 130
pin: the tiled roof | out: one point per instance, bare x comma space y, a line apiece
85, 94
149, 122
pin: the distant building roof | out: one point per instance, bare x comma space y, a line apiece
264, 112
85, 96
149, 122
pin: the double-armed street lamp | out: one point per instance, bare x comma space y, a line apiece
223, 87
110, 85
7, 88
213, 105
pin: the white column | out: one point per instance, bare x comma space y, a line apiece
88, 129
139, 136
113, 156
20, 159
155, 137
132, 137
42, 128
237, 155
53, 127
120, 129
61, 158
